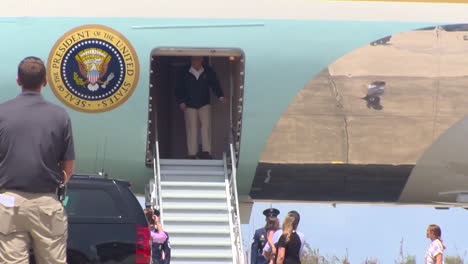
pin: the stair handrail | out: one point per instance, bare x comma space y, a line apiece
229, 201
232, 180
157, 181
235, 214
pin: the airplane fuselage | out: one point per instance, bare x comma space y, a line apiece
307, 133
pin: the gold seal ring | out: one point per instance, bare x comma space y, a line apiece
93, 69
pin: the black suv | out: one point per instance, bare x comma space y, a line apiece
106, 222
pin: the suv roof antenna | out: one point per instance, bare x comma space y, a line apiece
96, 158
103, 172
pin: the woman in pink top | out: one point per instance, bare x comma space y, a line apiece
157, 232
158, 236
435, 252
272, 224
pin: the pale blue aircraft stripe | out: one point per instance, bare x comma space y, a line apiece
199, 26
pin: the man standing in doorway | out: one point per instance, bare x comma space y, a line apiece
36, 157
193, 98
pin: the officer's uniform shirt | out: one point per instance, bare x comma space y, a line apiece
260, 239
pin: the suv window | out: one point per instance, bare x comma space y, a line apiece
84, 202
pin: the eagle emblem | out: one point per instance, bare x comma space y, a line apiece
93, 64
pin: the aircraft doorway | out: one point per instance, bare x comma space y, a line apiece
167, 67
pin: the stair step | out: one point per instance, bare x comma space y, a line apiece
201, 254
206, 204
191, 168
200, 261
200, 226
187, 172
193, 195
195, 231
197, 206
200, 237
197, 215
192, 184
219, 219
191, 162
193, 178
201, 243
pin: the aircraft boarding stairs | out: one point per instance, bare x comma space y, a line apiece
198, 204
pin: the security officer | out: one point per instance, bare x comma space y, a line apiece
36, 157
260, 239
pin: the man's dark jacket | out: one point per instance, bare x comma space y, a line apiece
196, 93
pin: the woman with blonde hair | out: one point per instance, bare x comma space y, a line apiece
289, 244
435, 252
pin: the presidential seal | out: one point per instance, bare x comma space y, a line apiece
93, 69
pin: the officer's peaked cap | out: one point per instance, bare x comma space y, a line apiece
271, 212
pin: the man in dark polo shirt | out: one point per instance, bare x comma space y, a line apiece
36, 156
